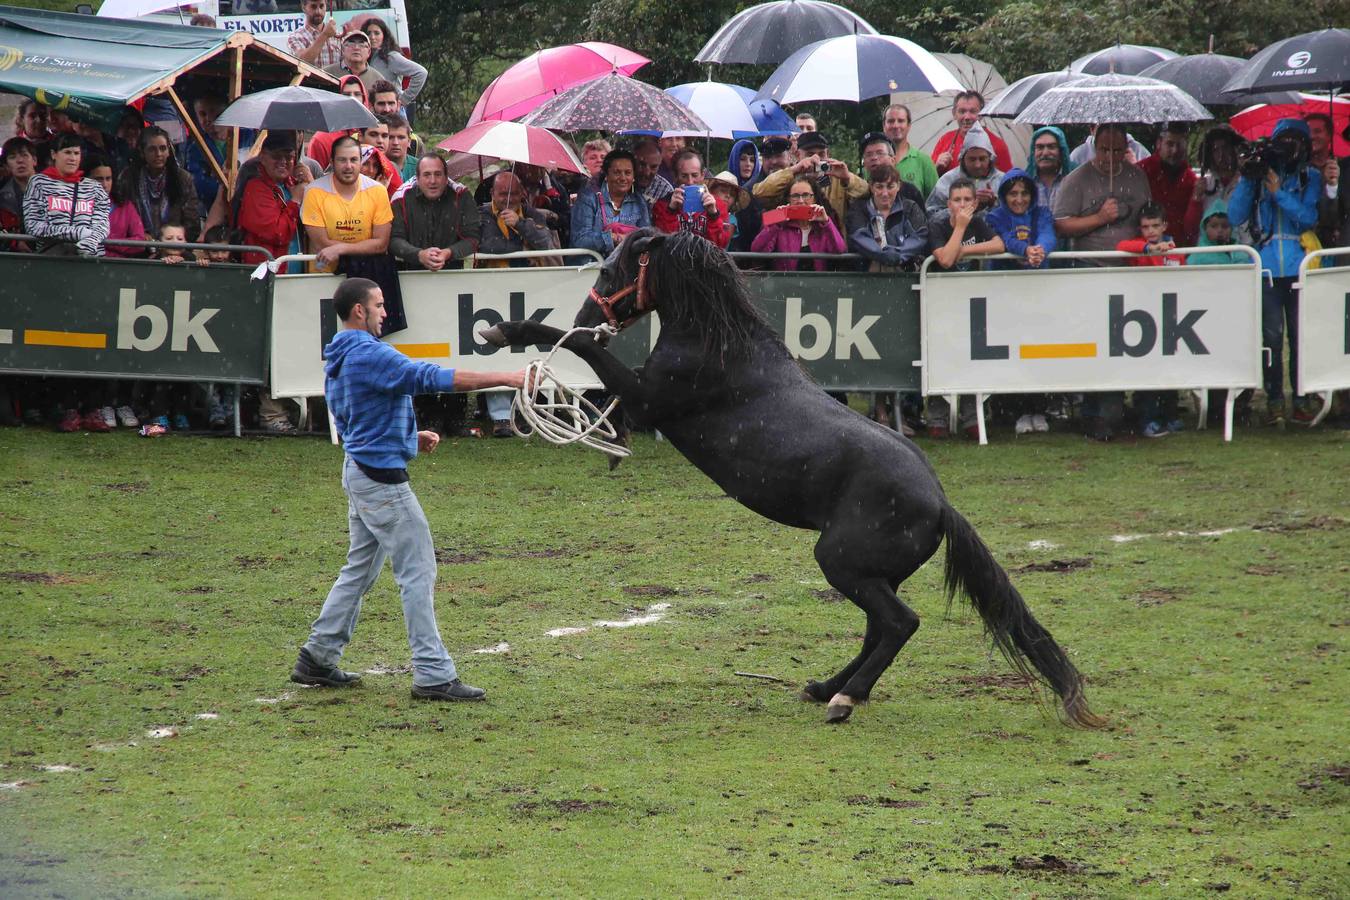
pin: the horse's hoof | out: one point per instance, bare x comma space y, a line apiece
836, 713
814, 692
493, 336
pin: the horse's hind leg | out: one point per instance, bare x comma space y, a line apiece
822, 691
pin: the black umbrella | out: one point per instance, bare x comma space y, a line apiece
1204, 75
1009, 102
771, 32
1318, 60
297, 108
1120, 59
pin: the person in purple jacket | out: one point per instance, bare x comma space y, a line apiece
369, 389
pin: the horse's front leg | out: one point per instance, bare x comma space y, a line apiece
617, 377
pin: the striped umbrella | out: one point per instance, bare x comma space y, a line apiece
490, 141
856, 67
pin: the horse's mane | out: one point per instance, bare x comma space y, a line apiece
695, 285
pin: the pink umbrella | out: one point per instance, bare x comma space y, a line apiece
1259, 121
490, 141
539, 76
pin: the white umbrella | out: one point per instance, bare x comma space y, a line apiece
1093, 100
856, 67
134, 9
931, 114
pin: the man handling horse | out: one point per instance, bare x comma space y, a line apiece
369, 390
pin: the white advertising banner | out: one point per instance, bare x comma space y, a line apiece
445, 311
1324, 329
1098, 329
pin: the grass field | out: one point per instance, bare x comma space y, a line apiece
145, 585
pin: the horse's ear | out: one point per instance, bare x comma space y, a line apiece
645, 243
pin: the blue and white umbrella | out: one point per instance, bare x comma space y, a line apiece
856, 67
731, 111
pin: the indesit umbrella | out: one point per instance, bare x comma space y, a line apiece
491, 141
297, 108
616, 103
1009, 102
541, 76
1120, 59
930, 114
1203, 76
1094, 100
771, 32
1318, 60
855, 68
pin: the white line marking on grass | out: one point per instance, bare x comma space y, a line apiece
564, 632
207, 716
281, 698
1042, 545
653, 614
57, 768
1131, 538
503, 647
13, 785
162, 733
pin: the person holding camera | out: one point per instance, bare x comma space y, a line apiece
691, 206
1277, 198
802, 225
837, 183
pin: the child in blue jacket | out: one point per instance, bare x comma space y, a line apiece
1027, 228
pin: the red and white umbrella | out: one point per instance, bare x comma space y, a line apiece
541, 76
491, 141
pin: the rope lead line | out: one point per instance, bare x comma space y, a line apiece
569, 418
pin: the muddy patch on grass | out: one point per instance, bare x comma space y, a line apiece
1057, 565
1008, 685
198, 589
127, 487
447, 557
1157, 596
649, 590
1045, 864
884, 802
1336, 773
1315, 523
758, 578
251, 562
37, 577
546, 553
570, 807
829, 595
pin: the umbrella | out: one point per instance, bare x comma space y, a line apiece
491, 141
1203, 77
134, 9
1120, 59
1010, 101
771, 32
855, 68
1092, 100
616, 103
541, 76
931, 114
731, 111
297, 108
1259, 121
1312, 61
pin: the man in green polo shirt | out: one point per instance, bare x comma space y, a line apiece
914, 165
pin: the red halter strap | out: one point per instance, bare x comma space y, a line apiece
606, 304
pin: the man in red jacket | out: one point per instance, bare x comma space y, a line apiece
1170, 179
966, 112
703, 213
269, 208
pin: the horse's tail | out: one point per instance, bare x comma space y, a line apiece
972, 571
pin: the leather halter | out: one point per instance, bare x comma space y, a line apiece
640, 306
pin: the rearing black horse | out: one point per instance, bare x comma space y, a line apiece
722, 387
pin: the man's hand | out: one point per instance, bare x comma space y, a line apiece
838, 169
1332, 172
806, 166
427, 441
328, 30
1109, 212
985, 198
1272, 181
709, 202
328, 256
432, 258
944, 160
510, 218
676, 201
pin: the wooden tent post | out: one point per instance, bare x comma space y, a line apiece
232, 145
195, 132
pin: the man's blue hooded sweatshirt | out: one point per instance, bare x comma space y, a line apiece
1036, 226
369, 389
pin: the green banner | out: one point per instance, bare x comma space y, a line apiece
89, 67
132, 319
853, 331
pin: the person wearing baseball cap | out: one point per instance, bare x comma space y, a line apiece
838, 184
356, 60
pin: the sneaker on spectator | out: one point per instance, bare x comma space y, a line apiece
70, 421
181, 423
938, 430
971, 431
279, 426
1025, 425
218, 414
502, 428
1275, 413
126, 417
1176, 426
1039, 424
1304, 414
94, 421
109, 416
1155, 430
1095, 428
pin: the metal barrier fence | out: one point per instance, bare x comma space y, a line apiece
1324, 352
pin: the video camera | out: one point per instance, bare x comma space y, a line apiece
1256, 158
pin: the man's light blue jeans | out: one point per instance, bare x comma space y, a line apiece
385, 520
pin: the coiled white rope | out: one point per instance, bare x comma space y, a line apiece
569, 418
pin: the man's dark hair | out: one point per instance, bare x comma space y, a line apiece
1110, 128
614, 155
644, 143
683, 155
436, 156
215, 97
18, 145
345, 139
1153, 210
394, 120
1323, 118
382, 87
349, 294
960, 183
968, 95
908, 115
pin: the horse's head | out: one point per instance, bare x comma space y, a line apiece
620, 295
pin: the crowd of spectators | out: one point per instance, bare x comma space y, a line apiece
373, 201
